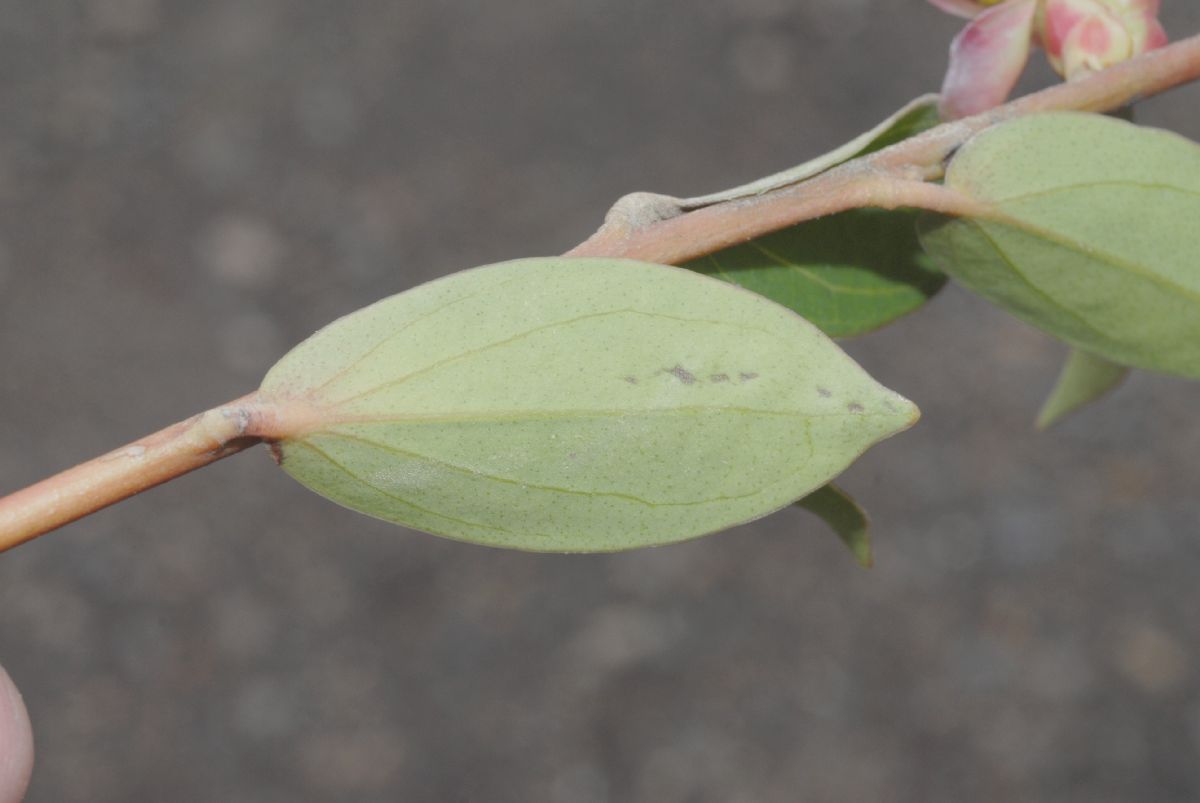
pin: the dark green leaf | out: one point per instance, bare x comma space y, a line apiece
844, 516
849, 273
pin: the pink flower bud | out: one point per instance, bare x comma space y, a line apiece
1079, 36
1082, 36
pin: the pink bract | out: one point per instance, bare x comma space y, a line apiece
1079, 36
987, 58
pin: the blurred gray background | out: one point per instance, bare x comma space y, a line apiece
189, 187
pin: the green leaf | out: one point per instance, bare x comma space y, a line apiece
849, 273
1084, 379
1087, 227
844, 516
573, 405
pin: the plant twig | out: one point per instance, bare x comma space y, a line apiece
134, 468
892, 177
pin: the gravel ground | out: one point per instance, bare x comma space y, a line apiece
188, 187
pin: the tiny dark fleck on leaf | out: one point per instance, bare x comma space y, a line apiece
747, 376
718, 378
631, 380
824, 393
683, 375
855, 407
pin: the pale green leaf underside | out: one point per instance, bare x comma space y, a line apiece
1088, 228
575, 405
845, 517
849, 273
1084, 379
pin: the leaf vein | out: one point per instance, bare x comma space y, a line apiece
1095, 254
455, 467
812, 276
536, 330
338, 465
1012, 265
491, 416
1088, 185
392, 335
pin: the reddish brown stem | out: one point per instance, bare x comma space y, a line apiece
695, 234
134, 468
889, 178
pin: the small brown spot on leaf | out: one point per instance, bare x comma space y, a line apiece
683, 375
631, 380
855, 407
824, 393
747, 376
717, 379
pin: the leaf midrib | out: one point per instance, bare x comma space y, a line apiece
328, 419
541, 330
1091, 252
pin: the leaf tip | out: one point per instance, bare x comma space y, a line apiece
863, 554
845, 517
1084, 379
907, 412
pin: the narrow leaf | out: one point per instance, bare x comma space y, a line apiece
1086, 227
914, 117
844, 516
639, 209
1084, 379
573, 406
